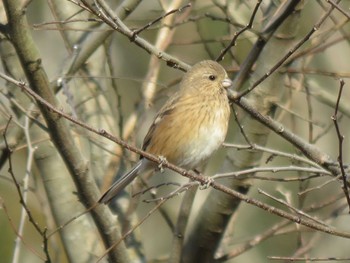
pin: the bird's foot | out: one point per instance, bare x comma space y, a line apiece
162, 160
206, 184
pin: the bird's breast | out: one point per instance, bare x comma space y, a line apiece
190, 133
207, 137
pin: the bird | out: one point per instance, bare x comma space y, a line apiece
190, 126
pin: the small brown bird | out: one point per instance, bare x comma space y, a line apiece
189, 127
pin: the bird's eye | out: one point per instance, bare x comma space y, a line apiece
212, 77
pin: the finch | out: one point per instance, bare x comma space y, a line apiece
190, 126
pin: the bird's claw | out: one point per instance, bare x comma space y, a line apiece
207, 183
162, 160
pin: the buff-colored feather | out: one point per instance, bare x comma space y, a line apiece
189, 127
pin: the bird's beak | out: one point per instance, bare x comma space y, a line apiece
226, 83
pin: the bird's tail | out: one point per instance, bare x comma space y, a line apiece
122, 183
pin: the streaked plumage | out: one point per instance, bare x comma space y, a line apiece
189, 127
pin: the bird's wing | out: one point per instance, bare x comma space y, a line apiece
166, 110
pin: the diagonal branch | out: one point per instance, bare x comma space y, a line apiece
203, 180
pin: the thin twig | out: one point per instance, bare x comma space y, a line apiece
240, 126
71, 220
289, 53
256, 147
306, 259
21, 197
12, 224
117, 24
237, 34
338, 8
23, 216
253, 242
155, 208
177, 191
138, 31
298, 211
340, 140
239, 174
318, 187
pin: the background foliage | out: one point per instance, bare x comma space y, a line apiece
278, 181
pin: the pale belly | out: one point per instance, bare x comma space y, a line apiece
209, 139
186, 138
